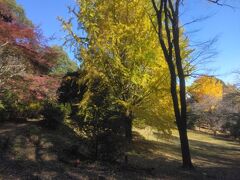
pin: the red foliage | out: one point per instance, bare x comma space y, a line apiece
43, 56
27, 39
35, 88
42, 87
24, 37
13, 31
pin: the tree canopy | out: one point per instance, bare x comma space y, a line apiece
121, 43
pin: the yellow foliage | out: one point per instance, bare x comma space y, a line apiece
35, 106
123, 45
207, 87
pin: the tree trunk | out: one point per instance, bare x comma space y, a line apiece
186, 157
167, 12
128, 126
181, 120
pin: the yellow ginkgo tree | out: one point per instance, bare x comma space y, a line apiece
121, 42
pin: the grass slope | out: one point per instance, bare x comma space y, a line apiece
213, 157
32, 152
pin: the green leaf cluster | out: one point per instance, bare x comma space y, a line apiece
63, 64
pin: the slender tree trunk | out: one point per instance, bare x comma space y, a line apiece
128, 126
167, 12
186, 157
181, 120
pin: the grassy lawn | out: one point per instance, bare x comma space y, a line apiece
38, 153
213, 157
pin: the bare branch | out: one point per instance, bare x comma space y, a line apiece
219, 3
196, 20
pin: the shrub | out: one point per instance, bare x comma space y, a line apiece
11, 108
235, 129
54, 114
2, 109
110, 146
32, 110
94, 112
233, 126
71, 90
192, 120
100, 120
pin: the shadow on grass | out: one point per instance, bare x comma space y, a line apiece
44, 157
211, 161
230, 139
38, 153
35, 153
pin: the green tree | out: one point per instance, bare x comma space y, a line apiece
63, 63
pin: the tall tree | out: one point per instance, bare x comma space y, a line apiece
18, 11
12, 34
121, 43
168, 29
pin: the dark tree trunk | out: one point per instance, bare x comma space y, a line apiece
167, 12
186, 156
181, 120
128, 126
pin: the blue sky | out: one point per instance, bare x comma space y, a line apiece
224, 23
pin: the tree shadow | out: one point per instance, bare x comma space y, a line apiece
227, 138
38, 153
210, 160
147, 159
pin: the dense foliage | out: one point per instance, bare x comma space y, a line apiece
30, 71
95, 114
125, 49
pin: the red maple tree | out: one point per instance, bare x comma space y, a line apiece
25, 41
